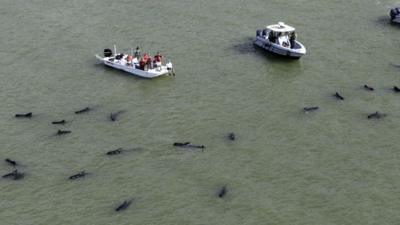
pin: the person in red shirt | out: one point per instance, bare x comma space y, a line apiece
145, 57
142, 63
149, 64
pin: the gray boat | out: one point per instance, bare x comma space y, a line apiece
280, 39
395, 15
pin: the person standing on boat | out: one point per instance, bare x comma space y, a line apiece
146, 59
129, 60
292, 39
157, 59
137, 52
149, 63
271, 37
142, 63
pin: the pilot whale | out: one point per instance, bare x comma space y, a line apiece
59, 122
115, 152
11, 162
26, 115
78, 175
62, 132
366, 87
338, 96
376, 115
15, 175
187, 145
114, 116
123, 206
309, 109
231, 136
222, 192
87, 109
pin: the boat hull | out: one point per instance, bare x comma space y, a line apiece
122, 65
295, 53
396, 20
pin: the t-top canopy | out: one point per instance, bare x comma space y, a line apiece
281, 27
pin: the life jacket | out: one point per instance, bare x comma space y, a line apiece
142, 63
145, 57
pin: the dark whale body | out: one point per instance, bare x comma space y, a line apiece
114, 116
222, 192
87, 109
123, 206
115, 152
376, 115
309, 109
11, 162
15, 175
338, 96
231, 136
62, 132
78, 175
181, 144
187, 145
59, 122
26, 115
368, 88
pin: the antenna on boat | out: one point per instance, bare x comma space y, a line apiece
131, 51
115, 50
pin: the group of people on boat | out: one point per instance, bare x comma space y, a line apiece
144, 62
285, 39
144, 65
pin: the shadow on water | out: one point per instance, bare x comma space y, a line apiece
272, 57
384, 21
282, 67
245, 46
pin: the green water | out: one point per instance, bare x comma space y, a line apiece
333, 166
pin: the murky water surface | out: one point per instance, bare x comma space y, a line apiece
332, 166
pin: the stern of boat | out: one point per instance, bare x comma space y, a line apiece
170, 68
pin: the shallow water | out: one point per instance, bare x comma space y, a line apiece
333, 166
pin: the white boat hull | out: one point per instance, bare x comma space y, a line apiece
297, 52
123, 65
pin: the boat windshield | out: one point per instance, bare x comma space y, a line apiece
285, 39
281, 34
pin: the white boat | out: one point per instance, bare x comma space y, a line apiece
395, 15
280, 39
134, 64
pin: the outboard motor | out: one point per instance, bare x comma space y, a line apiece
258, 33
107, 52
